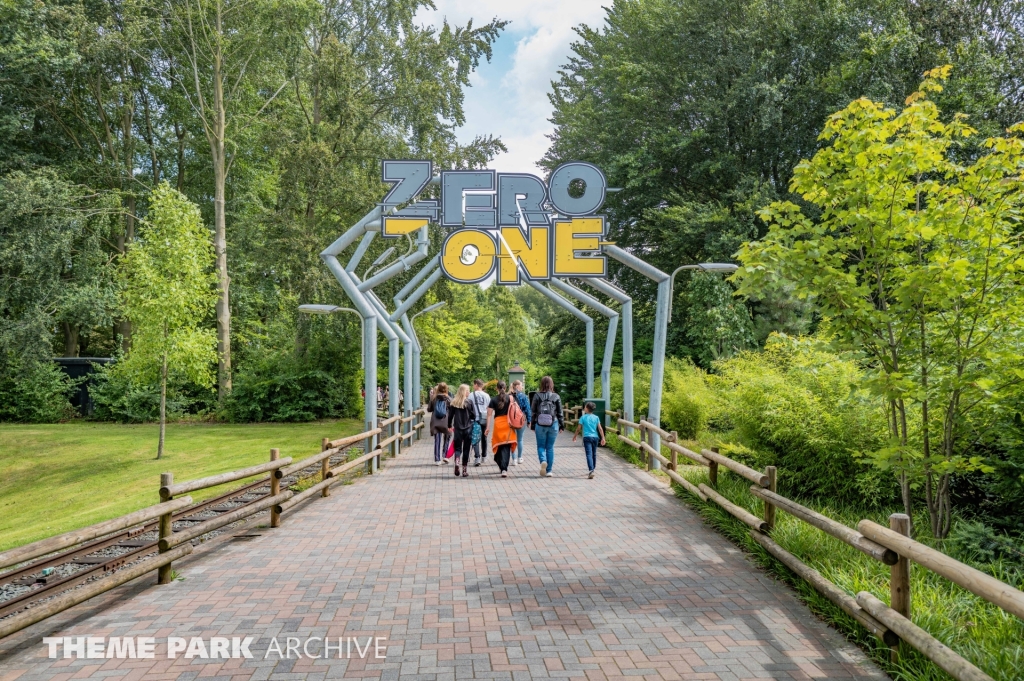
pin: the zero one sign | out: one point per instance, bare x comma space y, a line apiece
506, 224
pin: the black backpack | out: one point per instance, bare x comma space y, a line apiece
441, 408
547, 413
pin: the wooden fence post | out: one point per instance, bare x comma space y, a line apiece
675, 455
164, 573
368, 445
275, 489
769, 508
713, 470
899, 575
325, 466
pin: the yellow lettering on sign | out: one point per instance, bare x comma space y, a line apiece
579, 234
398, 226
468, 255
533, 253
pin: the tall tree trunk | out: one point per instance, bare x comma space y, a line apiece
70, 339
220, 245
163, 406
179, 133
123, 327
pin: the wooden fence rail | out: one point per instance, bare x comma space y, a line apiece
42, 547
891, 546
174, 545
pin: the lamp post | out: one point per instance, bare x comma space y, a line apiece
704, 267
331, 309
416, 365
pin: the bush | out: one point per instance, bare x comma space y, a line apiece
35, 392
119, 395
687, 400
798, 407
282, 387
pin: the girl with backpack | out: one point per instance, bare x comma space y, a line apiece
501, 413
546, 423
461, 419
439, 406
524, 404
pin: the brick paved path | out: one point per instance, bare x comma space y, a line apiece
472, 578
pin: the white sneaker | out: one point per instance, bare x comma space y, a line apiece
437, 463
591, 476
550, 474
543, 470
504, 474
444, 461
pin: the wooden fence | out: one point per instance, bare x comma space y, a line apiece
891, 546
174, 545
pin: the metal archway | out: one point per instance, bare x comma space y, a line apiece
475, 210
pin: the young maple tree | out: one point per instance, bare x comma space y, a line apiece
913, 256
167, 291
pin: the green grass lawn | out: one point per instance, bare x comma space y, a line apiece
55, 478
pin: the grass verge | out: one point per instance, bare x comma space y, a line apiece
979, 631
59, 477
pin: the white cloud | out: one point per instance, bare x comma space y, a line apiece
509, 95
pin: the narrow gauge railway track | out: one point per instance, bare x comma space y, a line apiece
91, 555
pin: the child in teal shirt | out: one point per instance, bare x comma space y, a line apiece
593, 433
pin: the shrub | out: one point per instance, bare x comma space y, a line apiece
34, 392
797, 406
687, 400
122, 395
281, 387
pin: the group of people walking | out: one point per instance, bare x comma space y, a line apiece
464, 421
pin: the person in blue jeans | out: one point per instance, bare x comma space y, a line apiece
593, 434
546, 423
524, 403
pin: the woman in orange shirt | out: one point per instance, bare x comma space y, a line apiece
503, 437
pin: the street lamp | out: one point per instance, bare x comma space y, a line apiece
703, 266
383, 256
331, 309
416, 365
430, 308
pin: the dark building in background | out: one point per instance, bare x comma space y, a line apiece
81, 367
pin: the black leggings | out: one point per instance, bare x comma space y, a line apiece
463, 444
502, 456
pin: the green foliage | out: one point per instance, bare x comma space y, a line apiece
701, 109
686, 402
130, 397
915, 259
717, 325
478, 334
799, 407
34, 392
166, 290
282, 388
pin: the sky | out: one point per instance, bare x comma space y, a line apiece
508, 97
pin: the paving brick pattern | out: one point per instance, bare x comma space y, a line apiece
471, 578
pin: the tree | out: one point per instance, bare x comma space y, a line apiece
717, 324
700, 109
915, 260
225, 56
167, 292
